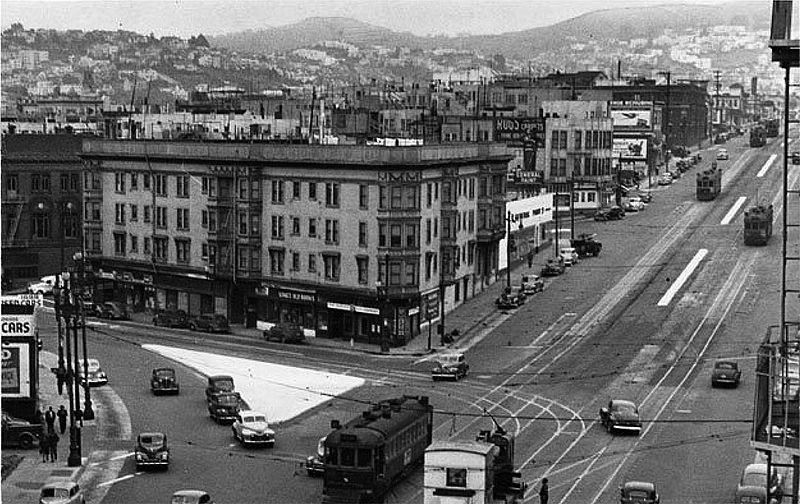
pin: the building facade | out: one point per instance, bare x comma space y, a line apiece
359, 242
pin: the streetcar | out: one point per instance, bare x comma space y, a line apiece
758, 137
366, 456
772, 126
709, 184
758, 225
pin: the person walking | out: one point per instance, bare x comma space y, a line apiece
62, 418
44, 447
50, 418
52, 443
544, 492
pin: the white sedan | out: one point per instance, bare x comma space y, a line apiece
251, 427
722, 155
95, 373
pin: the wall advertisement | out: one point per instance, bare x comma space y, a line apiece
630, 148
632, 119
16, 379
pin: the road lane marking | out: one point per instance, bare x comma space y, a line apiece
583, 474
763, 170
685, 274
124, 455
732, 212
116, 480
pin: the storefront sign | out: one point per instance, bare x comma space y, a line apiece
16, 379
296, 296
23, 299
340, 306
353, 308
367, 310
17, 325
431, 305
517, 129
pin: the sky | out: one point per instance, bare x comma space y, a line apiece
184, 18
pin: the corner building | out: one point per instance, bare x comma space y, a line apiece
354, 242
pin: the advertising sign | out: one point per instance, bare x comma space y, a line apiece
630, 148
17, 325
632, 119
516, 129
16, 379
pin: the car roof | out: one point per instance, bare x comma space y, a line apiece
220, 377
189, 493
622, 402
726, 362
152, 434
59, 482
639, 485
252, 413
755, 469
163, 369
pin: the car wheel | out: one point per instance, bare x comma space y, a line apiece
26, 441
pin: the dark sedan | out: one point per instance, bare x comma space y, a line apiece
209, 323
113, 310
622, 416
613, 213
164, 381
171, 318
725, 373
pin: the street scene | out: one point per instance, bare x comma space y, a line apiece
461, 253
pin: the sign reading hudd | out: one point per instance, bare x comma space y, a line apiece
517, 129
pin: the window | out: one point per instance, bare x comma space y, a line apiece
410, 197
134, 212
331, 266
396, 235
41, 225
435, 227
146, 245
243, 192
276, 258
134, 243
295, 226
471, 221
182, 250
204, 251
255, 259
255, 224
427, 231
243, 257
312, 191
243, 223
204, 219
295, 261
146, 182
160, 183
364, 457
362, 234
483, 187
146, 216
93, 211
397, 197
119, 213
182, 186
255, 189
212, 221
430, 195
161, 249
578, 140
296, 190
472, 188
428, 265
312, 227
348, 456
394, 273
12, 183
312, 263
182, 219
277, 192
331, 194
41, 182
382, 196
64, 182
209, 186
277, 227
331, 231
411, 273
363, 270
134, 181
119, 244
562, 142
456, 477
119, 182
161, 217
71, 226
363, 196
412, 235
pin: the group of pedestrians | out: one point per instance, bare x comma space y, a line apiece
48, 444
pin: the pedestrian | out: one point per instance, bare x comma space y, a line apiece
62, 418
50, 418
530, 259
39, 416
44, 447
52, 443
544, 492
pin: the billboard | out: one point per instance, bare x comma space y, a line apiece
516, 129
630, 148
16, 368
632, 119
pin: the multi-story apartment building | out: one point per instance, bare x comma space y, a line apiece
343, 240
42, 203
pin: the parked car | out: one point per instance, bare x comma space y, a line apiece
285, 333
191, 497
251, 428
224, 406
569, 255
164, 381
675, 174
209, 323
43, 286
552, 268
638, 492
621, 415
19, 432
722, 155
315, 465
586, 245
113, 310
752, 485
725, 373
646, 196
637, 203
96, 375
531, 284
665, 179
680, 151
450, 366
171, 318
218, 384
509, 299
611, 213
61, 491
151, 450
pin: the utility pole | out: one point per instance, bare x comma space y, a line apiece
716, 97
668, 117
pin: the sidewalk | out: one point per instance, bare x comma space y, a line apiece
25, 481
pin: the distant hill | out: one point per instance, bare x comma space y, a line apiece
621, 23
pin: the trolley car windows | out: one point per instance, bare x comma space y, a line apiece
456, 477
348, 457
332, 456
364, 457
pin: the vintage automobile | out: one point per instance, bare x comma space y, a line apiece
452, 366
191, 497
224, 406
171, 318
218, 384
586, 245
509, 299
209, 323
665, 179
19, 432
112, 310
611, 213
752, 486
43, 286
722, 155
552, 268
285, 333
164, 381
638, 492
61, 490
151, 450
569, 256
251, 428
646, 196
96, 375
315, 464
531, 284
621, 415
725, 373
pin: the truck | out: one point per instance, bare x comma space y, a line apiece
586, 245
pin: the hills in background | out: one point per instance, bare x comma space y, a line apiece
601, 25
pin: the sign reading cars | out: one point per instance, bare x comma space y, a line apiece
517, 129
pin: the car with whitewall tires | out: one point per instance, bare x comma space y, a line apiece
252, 428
